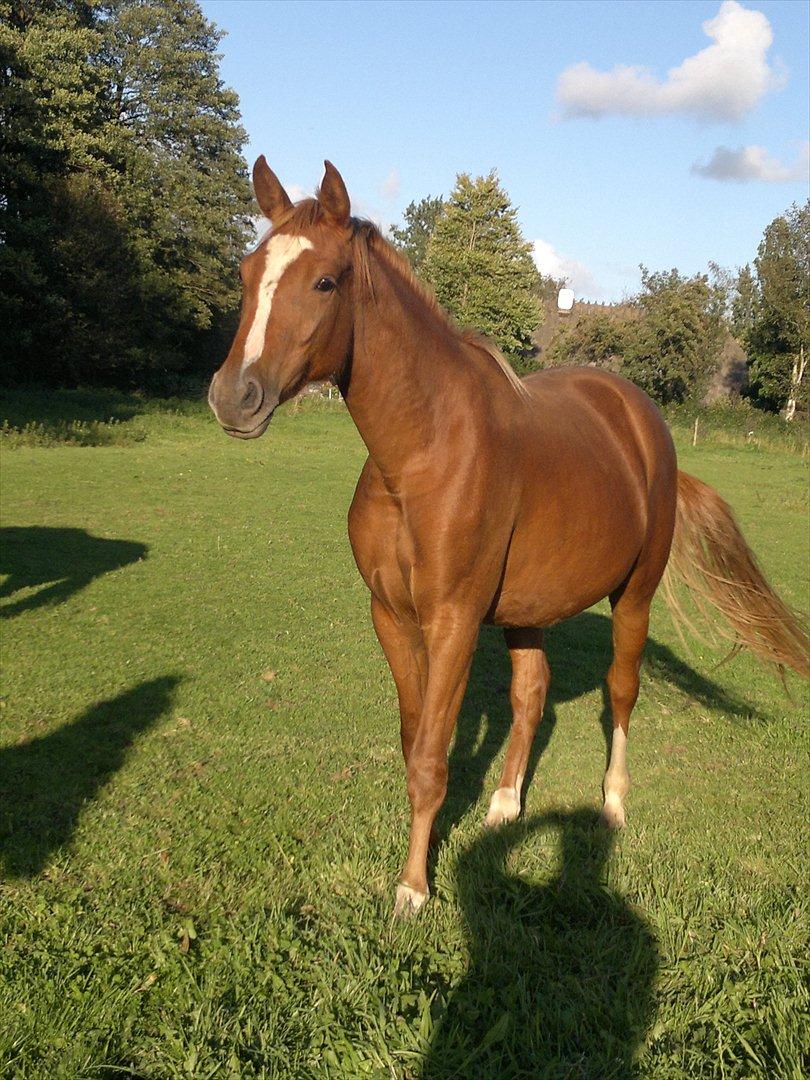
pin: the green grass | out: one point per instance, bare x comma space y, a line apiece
203, 808
736, 423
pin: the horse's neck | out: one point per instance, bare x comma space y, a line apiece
406, 368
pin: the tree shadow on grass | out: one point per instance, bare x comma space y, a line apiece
62, 560
579, 652
560, 977
46, 782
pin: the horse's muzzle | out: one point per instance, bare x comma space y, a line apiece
243, 407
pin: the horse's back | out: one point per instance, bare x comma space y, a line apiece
561, 393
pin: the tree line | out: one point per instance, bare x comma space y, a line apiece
125, 208
668, 338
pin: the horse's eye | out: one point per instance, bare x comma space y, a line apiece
326, 284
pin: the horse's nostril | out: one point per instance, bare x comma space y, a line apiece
252, 398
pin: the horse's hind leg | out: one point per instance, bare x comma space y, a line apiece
631, 616
530, 679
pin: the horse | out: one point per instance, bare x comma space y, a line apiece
484, 498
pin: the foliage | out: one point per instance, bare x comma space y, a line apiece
667, 340
204, 804
778, 330
599, 340
548, 289
482, 268
675, 344
124, 194
744, 303
419, 222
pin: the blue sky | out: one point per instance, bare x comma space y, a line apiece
612, 158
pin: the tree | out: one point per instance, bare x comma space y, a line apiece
125, 204
744, 302
778, 338
598, 340
419, 221
482, 268
52, 110
179, 139
676, 342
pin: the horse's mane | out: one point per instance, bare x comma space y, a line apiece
367, 238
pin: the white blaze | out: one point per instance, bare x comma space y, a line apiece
280, 252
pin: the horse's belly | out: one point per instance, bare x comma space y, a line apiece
553, 572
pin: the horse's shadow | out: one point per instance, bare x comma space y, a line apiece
579, 653
61, 561
560, 977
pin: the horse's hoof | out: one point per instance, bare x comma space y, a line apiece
504, 807
612, 816
408, 901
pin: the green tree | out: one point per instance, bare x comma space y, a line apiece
744, 302
778, 338
674, 347
52, 113
596, 340
124, 203
179, 140
482, 268
419, 221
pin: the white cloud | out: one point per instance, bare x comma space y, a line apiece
389, 189
754, 163
577, 276
722, 82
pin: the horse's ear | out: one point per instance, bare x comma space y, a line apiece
333, 196
270, 195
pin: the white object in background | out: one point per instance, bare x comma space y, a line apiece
565, 301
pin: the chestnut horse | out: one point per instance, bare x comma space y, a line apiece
484, 498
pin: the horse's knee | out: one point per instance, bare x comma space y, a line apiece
427, 782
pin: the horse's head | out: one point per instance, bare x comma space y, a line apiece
296, 323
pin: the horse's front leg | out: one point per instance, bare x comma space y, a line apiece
450, 642
404, 650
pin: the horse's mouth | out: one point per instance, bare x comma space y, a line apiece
250, 433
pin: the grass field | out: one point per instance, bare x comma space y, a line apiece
203, 808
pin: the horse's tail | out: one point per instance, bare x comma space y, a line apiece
710, 556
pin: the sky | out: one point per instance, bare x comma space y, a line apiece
662, 132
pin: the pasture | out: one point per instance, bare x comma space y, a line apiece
203, 807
